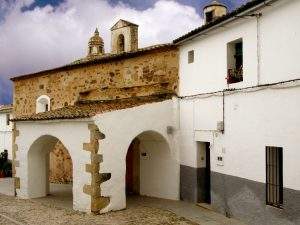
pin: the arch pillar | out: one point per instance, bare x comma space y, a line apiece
72, 134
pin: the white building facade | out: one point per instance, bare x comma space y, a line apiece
239, 106
6, 130
227, 138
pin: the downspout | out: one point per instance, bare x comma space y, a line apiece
223, 96
258, 47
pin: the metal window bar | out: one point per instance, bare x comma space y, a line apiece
274, 176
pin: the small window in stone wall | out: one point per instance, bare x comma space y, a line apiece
43, 104
191, 56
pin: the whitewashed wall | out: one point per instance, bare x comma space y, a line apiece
253, 120
279, 34
72, 134
209, 71
120, 128
5, 135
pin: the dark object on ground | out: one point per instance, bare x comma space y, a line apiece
5, 165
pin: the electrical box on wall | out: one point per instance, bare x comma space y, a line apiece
220, 157
220, 160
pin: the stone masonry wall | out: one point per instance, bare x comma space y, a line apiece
61, 167
150, 72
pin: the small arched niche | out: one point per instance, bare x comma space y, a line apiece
43, 104
121, 43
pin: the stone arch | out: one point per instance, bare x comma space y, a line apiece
43, 104
121, 43
38, 166
150, 166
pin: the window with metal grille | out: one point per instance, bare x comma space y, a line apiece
191, 56
274, 176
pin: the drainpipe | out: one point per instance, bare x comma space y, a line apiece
223, 96
258, 47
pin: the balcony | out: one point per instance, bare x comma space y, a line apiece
234, 76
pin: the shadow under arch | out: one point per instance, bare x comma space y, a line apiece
39, 165
151, 169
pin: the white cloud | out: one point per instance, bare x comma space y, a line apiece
48, 37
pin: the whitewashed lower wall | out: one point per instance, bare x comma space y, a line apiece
253, 121
120, 128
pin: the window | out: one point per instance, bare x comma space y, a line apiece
274, 177
43, 104
191, 56
209, 16
7, 119
121, 43
235, 61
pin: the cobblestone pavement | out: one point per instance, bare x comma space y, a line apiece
33, 212
5, 221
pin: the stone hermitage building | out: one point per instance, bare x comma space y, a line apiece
70, 109
212, 118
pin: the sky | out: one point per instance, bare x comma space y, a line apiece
41, 34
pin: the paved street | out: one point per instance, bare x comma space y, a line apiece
57, 209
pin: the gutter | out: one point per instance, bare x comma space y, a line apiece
221, 24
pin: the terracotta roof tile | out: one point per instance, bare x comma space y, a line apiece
89, 109
6, 108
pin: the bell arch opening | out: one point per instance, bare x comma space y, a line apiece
45, 156
121, 43
151, 168
43, 104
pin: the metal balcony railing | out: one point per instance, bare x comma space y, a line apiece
234, 75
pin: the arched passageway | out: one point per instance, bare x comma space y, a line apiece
151, 167
40, 165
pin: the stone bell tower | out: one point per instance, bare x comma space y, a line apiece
213, 11
124, 37
96, 45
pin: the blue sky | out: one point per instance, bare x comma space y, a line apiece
49, 24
